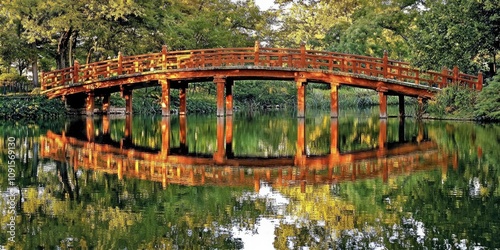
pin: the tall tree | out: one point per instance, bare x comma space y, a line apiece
463, 33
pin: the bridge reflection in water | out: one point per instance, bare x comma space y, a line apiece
170, 165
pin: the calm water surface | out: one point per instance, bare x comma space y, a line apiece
261, 180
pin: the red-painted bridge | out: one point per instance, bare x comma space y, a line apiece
81, 84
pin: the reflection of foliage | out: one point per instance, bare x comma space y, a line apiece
108, 213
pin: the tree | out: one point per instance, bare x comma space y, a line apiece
463, 33
308, 21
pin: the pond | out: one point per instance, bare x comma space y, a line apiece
263, 180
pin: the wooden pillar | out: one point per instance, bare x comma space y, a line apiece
300, 154
165, 136
479, 83
127, 95
220, 154
89, 104
220, 82
165, 97
229, 97
106, 103
383, 104
229, 136
401, 106
183, 133
182, 101
301, 97
334, 100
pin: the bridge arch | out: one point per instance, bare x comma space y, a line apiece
80, 84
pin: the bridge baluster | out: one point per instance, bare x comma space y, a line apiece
256, 53
76, 68
385, 60
164, 54
303, 56
120, 63
479, 83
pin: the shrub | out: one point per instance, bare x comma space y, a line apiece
453, 101
488, 103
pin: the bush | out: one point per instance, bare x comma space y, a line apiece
453, 101
488, 103
30, 107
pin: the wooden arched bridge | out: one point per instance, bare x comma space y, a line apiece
79, 85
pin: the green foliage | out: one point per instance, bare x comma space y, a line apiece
462, 33
12, 77
488, 103
261, 94
453, 102
30, 107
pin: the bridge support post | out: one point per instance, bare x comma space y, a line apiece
401, 106
300, 154
165, 97
383, 103
220, 82
334, 100
165, 136
183, 133
106, 103
89, 104
301, 97
229, 97
182, 101
127, 95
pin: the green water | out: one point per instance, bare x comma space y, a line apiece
384, 184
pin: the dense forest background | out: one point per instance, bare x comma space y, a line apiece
431, 34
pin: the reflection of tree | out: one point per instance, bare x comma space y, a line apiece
112, 213
317, 217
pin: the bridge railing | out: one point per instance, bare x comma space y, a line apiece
273, 58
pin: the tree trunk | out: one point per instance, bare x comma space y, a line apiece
62, 48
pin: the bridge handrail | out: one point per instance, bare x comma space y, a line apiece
298, 59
